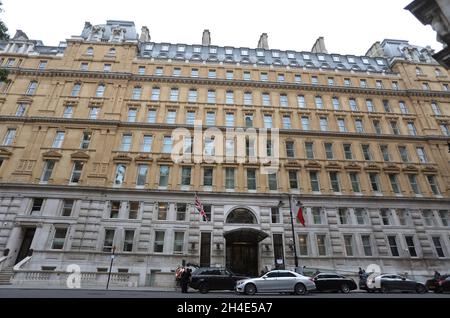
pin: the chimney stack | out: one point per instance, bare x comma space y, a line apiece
206, 38
319, 46
263, 42
145, 35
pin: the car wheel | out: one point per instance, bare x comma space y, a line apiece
384, 289
370, 291
203, 288
420, 289
250, 289
345, 289
300, 289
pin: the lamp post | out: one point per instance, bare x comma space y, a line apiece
110, 265
292, 228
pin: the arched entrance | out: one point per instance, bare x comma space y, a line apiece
242, 243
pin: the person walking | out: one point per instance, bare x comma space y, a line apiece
185, 279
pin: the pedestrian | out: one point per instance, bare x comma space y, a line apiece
178, 273
437, 275
185, 279
360, 271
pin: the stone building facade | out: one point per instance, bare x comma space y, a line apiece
362, 142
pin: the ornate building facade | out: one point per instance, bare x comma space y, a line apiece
86, 169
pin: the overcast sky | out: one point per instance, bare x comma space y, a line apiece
349, 26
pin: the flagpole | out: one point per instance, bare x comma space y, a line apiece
293, 232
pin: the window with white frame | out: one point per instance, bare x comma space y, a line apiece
126, 142
155, 93
76, 171
164, 176
59, 238
151, 116
49, 165
9, 137
159, 242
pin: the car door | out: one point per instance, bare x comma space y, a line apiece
268, 282
388, 282
335, 282
321, 282
228, 281
286, 281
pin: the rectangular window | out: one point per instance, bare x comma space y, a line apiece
347, 82
229, 97
132, 114
354, 179
36, 206
229, 178
428, 217
178, 243
229, 119
128, 241
319, 102
377, 127
363, 83
159, 242
248, 120
251, 179
353, 105
114, 209
301, 101
314, 80
393, 245
303, 244
283, 100
273, 183
21, 110
192, 98
126, 142
297, 78
247, 76
335, 185
100, 92
159, 71
367, 246
403, 153
208, 177
314, 179
211, 73
267, 121
84, 67
163, 208
309, 146
151, 116
348, 241
386, 106
142, 171
167, 145
155, 94
360, 216
186, 176
9, 137
290, 151
287, 122
181, 211
59, 139
330, 81
293, 180
438, 246
147, 143
176, 71
324, 124
174, 95
336, 103
370, 106
348, 151
194, 72
275, 215
329, 151
433, 184
411, 246
394, 127
359, 126
385, 153
403, 107
210, 118
436, 108
444, 217
49, 165
93, 112
120, 174
280, 78
164, 176
374, 182
141, 70
421, 155
413, 183
230, 75
379, 84
385, 217
171, 117
190, 118
305, 123
366, 152
211, 97
67, 207
68, 112
394, 183
109, 240
412, 129
321, 247
59, 238
341, 125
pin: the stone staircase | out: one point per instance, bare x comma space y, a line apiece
6, 275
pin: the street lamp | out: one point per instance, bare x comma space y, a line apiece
110, 265
292, 227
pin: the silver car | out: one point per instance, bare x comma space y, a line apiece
277, 281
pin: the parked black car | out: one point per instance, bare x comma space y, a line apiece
334, 282
435, 284
205, 279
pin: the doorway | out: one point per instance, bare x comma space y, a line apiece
24, 250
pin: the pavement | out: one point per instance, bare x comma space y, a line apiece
148, 292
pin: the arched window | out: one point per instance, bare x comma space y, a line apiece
241, 216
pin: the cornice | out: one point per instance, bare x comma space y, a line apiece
224, 82
290, 132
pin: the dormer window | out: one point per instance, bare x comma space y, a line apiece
336, 59
321, 57
380, 62
275, 54
306, 56
350, 59
260, 53
197, 49
213, 50
291, 56
228, 51
148, 47
181, 48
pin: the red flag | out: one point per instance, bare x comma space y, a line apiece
199, 208
300, 217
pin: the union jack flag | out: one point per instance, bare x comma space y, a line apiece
199, 208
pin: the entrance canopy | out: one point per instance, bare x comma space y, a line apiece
245, 235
